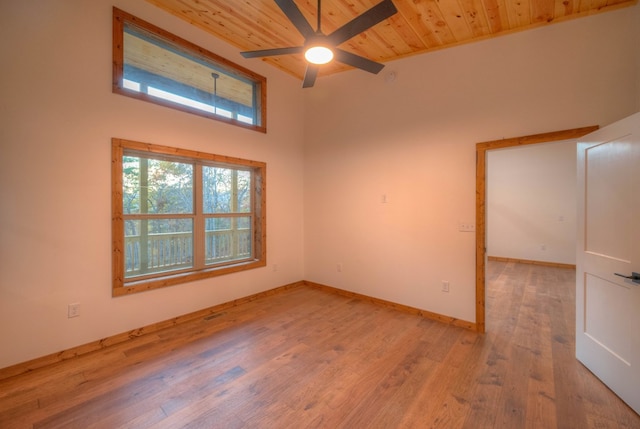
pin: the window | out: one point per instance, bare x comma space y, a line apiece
180, 215
154, 65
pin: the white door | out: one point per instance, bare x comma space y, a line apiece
607, 305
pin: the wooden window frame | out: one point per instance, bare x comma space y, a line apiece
122, 286
173, 42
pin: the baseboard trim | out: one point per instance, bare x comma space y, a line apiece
31, 365
51, 359
527, 261
400, 307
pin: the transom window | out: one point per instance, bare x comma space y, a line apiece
156, 66
180, 215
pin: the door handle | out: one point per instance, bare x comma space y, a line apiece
634, 277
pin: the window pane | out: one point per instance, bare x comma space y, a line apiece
227, 239
131, 248
168, 71
153, 186
157, 245
226, 190
130, 184
243, 192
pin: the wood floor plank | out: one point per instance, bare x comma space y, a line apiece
388, 374
307, 358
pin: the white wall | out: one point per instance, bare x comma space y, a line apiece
531, 202
413, 139
57, 116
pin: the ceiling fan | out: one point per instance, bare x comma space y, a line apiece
320, 48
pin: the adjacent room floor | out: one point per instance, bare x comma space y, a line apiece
306, 358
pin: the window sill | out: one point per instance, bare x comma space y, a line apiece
120, 289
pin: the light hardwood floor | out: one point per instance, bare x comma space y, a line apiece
307, 358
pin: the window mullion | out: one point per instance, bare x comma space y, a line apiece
144, 209
253, 220
199, 230
234, 209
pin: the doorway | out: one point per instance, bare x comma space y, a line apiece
481, 194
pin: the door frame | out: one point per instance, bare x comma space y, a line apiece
481, 194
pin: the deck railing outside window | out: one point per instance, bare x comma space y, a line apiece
171, 251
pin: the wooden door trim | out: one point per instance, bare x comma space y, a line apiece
481, 193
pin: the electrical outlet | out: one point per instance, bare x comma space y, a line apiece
445, 286
73, 310
339, 268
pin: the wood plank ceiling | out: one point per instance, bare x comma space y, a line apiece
419, 26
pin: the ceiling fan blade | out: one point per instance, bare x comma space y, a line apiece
310, 75
358, 61
272, 52
373, 16
296, 17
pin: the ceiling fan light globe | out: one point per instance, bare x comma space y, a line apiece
318, 55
